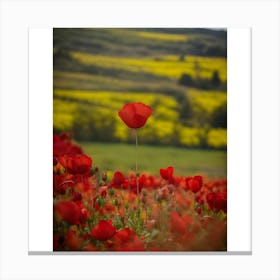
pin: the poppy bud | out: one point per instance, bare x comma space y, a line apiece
144, 192
143, 199
171, 188
159, 196
100, 201
111, 192
116, 202
104, 176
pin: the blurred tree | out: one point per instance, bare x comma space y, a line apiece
182, 57
219, 116
216, 80
216, 50
185, 109
81, 126
186, 80
94, 123
204, 136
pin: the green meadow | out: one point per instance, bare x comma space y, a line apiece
187, 162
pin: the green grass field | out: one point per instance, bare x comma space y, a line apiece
186, 162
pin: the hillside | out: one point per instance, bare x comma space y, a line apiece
181, 73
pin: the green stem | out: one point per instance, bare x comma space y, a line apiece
136, 151
146, 210
136, 161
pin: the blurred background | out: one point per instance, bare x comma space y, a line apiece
181, 73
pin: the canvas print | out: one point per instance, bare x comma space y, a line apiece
139, 139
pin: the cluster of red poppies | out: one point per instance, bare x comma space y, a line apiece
168, 213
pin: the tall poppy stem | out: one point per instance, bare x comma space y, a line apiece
136, 160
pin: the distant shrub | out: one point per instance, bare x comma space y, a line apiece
217, 138
213, 83
215, 50
204, 104
219, 116
185, 108
189, 136
63, 116
186, 80
182, 58
215, 79
94, 124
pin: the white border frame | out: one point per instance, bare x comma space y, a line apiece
262, 16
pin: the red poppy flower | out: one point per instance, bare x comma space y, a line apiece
56, 242
61, 183
135, 115
217, 201
76, 164
72, 240
67, 211
103, 230
62, 145
194, 183
103, 190
177, 223
118, 179
77, 196
166, 173
132, 183
109, 207
90, 247
123, 235
127, 240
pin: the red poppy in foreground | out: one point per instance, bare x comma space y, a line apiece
217, 201
62, 145
166, 173
177, 223
127, 240
135, 115
67, 211
118, 179
103, 230
72, 240
77, 164
194, 183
